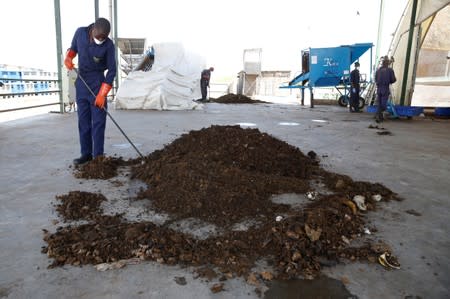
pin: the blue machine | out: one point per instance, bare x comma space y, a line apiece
328, 67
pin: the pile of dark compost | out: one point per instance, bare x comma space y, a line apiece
226, 175
232, 98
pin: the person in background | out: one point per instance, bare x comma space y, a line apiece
355, 88
147, 63
96, 54
204, 82
384, 77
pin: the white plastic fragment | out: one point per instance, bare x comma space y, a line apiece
359, 200
110, 266
345, 239
376, 197
311, 195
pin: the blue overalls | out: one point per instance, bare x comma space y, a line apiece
384, 76
354, 90
93, 60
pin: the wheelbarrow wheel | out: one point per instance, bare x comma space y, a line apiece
343, 101
69, 106
362, 102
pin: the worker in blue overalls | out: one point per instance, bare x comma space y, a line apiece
384, 77
204, 82
96, 54
355, 88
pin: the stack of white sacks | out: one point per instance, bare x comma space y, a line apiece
172, 83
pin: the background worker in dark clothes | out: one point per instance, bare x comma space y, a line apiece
355, 88
384, 77
204, 82
96, 54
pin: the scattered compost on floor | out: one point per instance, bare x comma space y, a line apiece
78, 205
224, 176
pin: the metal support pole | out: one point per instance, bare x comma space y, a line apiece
243, 83
312, 97
371, 61
110, 9
59, 51
408, 52
447, 68
414, 67
303, 97
96, 9
115, 42
380, 29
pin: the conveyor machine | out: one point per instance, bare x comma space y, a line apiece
330, 67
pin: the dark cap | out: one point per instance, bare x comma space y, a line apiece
356, 63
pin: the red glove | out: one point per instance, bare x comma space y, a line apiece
70, 55
101, 96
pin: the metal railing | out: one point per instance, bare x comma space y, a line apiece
20, 88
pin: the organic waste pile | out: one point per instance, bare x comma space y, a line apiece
225, 175
235, 99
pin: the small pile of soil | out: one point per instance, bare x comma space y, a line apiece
101, 167
343, 184
235, 99
226, 175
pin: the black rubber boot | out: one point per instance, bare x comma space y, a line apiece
379, 118
82, 160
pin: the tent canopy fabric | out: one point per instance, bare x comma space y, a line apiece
406, 70
172, 83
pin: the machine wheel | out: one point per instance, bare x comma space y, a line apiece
67, 107
362, 102
343, 101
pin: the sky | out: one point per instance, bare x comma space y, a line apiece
217, 30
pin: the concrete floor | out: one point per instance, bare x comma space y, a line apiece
36, 154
